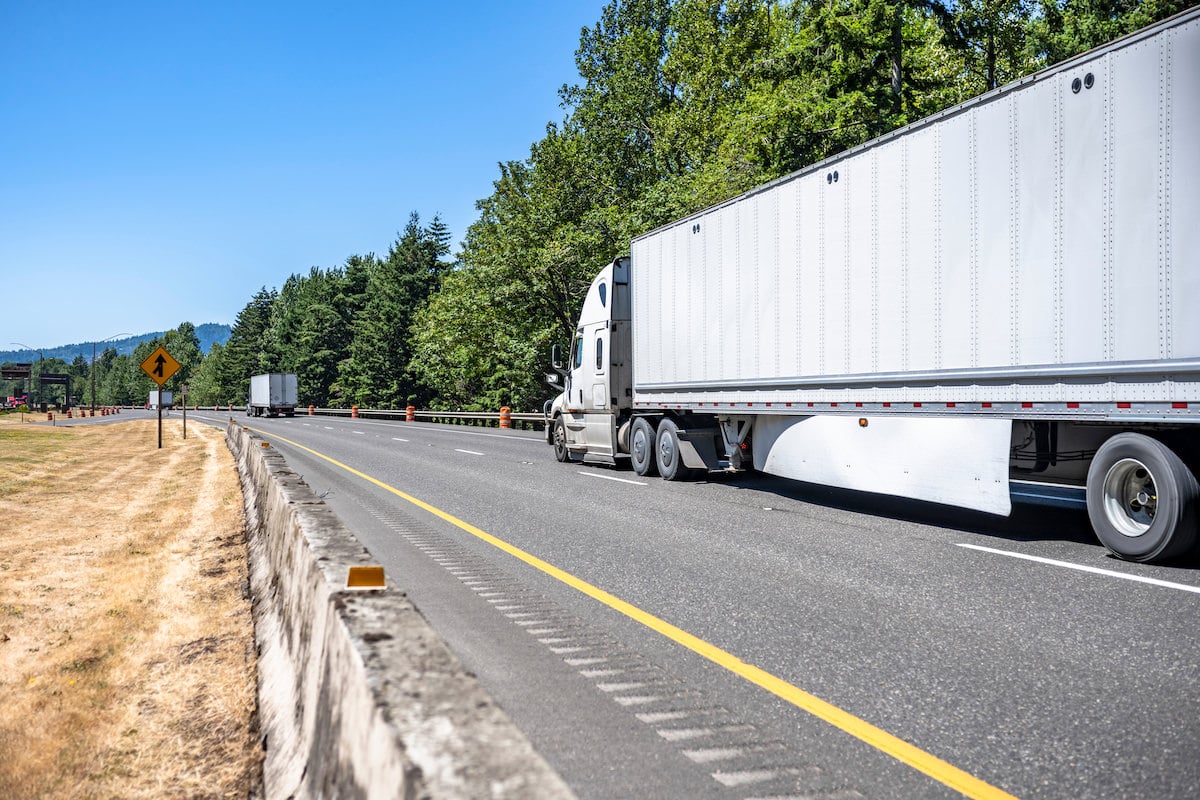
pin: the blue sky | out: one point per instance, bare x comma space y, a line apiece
160, 161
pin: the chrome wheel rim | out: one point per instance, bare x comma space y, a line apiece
1130, 497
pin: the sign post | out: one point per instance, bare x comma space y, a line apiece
160, 366
183, 394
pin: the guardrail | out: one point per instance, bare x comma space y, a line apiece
533, 420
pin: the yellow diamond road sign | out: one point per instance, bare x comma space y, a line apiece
160, 366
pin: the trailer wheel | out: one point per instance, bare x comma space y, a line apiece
560, 440
1142, 499
641, 448
666, 451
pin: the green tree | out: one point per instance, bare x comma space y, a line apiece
243, 354
204, 383
1065, 28
377, 371
184, 346
474, 350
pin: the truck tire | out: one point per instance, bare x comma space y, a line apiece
642, 448
666, 452
1142, 499
560, 441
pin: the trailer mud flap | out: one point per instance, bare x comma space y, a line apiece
957, 461
698, 448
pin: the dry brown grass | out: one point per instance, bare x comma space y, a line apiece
127, 662
19, 417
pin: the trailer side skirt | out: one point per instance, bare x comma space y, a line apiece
955, 461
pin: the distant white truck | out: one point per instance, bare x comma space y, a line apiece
168, 399
272, 394
997, 304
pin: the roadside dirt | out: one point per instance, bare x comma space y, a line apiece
127, 664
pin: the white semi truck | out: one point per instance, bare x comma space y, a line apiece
273, 394
999, 303
168, 399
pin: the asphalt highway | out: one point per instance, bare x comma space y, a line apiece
747, 637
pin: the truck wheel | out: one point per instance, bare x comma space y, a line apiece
560, 441
641, 448
666, 451
1142, 499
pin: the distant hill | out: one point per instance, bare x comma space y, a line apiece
211, 333
208, 334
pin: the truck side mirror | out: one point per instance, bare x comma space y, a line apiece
556, 357
554, 379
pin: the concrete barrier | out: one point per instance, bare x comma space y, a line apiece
358, 696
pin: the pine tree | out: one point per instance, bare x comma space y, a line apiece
243, 355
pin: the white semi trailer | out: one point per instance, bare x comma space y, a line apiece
273, 394
168, 398
999, 303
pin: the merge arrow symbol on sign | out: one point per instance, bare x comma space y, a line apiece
160, 365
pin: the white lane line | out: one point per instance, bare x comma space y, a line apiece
1183, 587
611, 478
328, 428
453, 429
360, 433
468, 452
394, 439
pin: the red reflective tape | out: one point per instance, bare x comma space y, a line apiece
1072, 405
833, 405
949, 405
916, 405
1124, 405
986, 405
1179, 405
858, 405
887, 405
1026, 405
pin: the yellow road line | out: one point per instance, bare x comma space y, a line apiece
881, 740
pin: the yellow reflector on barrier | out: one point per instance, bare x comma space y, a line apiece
365, 578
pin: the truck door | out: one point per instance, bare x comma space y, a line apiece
599, 377
577, 377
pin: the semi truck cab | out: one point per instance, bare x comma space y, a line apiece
590, 415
